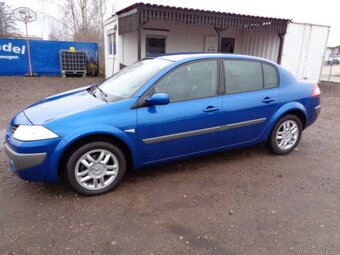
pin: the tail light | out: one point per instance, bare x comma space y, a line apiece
316, 90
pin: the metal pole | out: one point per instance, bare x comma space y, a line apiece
219, 39
139, 50
28, 50
330, 71
282, 38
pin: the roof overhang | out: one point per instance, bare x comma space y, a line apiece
132, 17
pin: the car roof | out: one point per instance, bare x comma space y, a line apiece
196, 56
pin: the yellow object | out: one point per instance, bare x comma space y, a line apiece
72, 49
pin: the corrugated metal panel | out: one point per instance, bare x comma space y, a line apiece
180, 9
261, 44
130, 17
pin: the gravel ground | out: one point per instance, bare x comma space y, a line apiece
245, 201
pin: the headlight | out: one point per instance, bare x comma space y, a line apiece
33, 133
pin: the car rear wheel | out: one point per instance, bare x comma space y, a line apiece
95, 168
285, 135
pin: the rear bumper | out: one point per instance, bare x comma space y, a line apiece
24, 160
317, 110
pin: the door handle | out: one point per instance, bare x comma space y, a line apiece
268, 100
211, 109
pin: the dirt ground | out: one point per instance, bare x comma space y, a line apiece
246, 201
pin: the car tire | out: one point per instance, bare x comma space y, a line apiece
95, 168
285, 135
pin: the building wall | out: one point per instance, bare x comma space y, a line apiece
191, 38
129, 48
336, 49
111, 62
186, 38
328, 53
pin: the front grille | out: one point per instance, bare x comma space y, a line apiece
13, 128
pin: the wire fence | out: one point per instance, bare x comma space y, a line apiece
331, 72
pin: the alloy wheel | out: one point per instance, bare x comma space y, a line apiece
96, 169
287, 135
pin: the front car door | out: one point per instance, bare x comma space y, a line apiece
251, 98
190, 122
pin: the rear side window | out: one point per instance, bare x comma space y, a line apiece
242, 75
270, 76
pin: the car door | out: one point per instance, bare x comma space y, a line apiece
250, 99
190, 122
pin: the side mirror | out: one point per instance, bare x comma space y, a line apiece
158, 99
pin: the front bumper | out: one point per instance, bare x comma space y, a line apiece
24, 160
34, 161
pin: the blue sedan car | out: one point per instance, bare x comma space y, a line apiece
158, 110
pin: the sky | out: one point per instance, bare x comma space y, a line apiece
324, 12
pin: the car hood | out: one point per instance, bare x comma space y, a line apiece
61, 105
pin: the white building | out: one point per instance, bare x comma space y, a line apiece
146, 30
332, 55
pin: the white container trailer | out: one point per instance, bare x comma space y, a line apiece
304, 50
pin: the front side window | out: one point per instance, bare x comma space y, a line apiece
190, 81
126, 82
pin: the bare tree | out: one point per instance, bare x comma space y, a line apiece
7, 20
58, 30
83, 19
79, 20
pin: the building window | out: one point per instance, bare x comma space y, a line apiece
111, 38
154, 46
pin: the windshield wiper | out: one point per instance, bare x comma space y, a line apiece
94, 88
91, 89
104, 95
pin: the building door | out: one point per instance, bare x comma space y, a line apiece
227, 45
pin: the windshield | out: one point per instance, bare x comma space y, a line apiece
126, 82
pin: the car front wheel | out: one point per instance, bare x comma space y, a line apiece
285, 135
95, 168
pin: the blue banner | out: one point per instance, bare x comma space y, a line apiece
44, 55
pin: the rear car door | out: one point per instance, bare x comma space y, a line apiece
250, 100
190, 122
